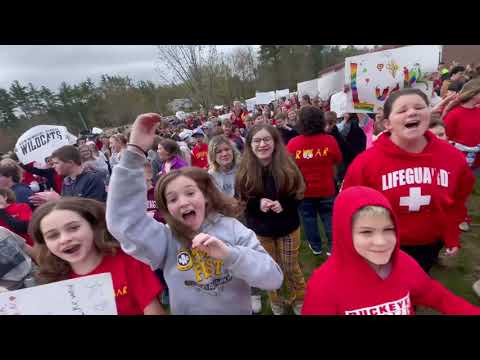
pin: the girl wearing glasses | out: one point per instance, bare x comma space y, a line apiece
271, 185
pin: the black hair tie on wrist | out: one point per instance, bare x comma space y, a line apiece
139, 148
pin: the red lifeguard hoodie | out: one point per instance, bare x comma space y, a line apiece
347, 285
427, 191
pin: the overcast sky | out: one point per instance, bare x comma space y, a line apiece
49, 65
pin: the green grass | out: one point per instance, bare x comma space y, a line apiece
457, 273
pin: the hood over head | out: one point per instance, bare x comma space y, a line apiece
347, 203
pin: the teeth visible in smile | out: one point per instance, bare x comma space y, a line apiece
71, 249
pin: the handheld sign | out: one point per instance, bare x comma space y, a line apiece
281, 93
39, 142
264, 98
373, 77
88, 295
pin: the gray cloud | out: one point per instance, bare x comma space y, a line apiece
49, 65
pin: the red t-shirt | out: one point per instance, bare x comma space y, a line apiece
135, 284
238, 121
20, 212
316, 157
200, 156
463, 126
347, 285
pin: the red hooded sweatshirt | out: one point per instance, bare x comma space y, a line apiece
347, 285
463, 126
427, 190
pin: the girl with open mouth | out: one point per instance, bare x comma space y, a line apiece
73, 241
425, 179
209, 259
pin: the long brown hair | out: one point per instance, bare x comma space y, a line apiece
216, 201
51, 267
249, 179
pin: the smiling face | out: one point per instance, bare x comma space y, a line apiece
374, 237
163, 154
263, 146
408, 120
68, 236
115, 145
85, 152
224, 155
186, 202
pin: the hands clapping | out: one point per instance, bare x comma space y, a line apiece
267, 204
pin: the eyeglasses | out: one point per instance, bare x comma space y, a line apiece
266, 140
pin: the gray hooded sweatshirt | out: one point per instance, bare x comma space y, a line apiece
198, 284
225, 181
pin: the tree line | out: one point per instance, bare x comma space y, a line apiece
200, 73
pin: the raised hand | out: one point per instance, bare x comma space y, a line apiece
143, 130
211, 245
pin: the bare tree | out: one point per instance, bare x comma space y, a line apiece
192, 66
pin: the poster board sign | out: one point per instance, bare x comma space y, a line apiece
40, 141
251, 104
88, 295
281, 93
309, 87
373, 77
338, 103
265, 98
331, 83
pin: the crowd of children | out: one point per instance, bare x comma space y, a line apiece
209, 209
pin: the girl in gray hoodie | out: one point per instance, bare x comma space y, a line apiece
223, 159
209, 259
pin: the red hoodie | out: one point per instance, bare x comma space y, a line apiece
200, 156
316, 155
462, 126
427, 190
347, 285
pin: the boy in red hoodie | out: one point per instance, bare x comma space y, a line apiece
367, 273
425, 179
200, 151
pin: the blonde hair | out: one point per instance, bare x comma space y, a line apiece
372, 210
213, 145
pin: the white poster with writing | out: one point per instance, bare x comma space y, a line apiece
373, 77
251, 104
39, 142
88, 295
309, 87
330, 83
264, 98
281, 93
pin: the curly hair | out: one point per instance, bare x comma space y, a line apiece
51, 267
311, 120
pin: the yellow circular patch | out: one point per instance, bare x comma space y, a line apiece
184, 260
